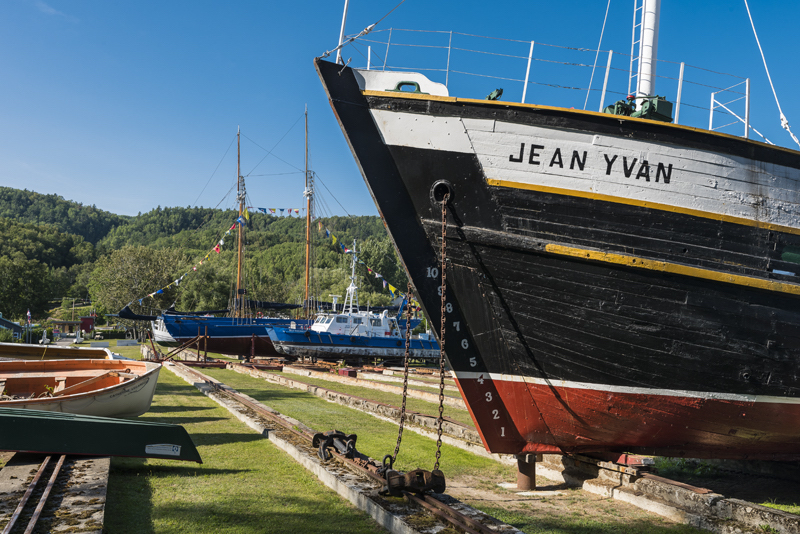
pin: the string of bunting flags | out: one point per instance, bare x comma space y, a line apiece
241, 221
386, 285
277, 211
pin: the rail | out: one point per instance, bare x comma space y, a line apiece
360, 463
549, 74
23, 502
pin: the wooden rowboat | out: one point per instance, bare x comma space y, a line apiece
24, 351
109, 388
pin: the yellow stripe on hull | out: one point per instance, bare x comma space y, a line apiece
674, 268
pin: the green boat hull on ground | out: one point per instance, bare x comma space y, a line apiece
63, 433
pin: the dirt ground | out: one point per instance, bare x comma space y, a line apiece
557, 508
5, 456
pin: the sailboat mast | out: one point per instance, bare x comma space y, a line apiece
239, 305
308, 224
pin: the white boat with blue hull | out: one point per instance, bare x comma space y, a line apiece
353, 334
361, 335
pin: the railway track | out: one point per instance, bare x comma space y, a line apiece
680, 502
32, 502
52, 493
357, 462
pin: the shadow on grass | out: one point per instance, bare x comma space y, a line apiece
281, 513
129, 499
266, 394
220, 438
139, 467
166, 408
185, 420
173, 389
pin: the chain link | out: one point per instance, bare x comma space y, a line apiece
405, 373
440, 419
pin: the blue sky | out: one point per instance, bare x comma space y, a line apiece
131, 105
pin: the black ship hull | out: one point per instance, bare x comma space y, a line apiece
607, 301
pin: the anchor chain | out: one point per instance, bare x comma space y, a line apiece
419, 480
440, 419
405, 374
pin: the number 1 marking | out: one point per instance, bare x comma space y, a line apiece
502, 431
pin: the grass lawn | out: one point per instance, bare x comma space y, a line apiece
395, 399
596, 518
245, 485
376, 438
428, 389
573, 512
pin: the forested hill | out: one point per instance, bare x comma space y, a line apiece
69, 217
51, 248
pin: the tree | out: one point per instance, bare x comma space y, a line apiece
129, 275
24, 285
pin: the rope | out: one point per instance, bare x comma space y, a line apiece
362, 33
597, 55
784, 120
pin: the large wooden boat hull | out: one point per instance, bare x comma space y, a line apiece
613, 284
25, 351
106, 388
322, 345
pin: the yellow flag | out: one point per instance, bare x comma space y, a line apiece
246, 215
334, 240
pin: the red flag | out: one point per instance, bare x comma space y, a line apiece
216, 249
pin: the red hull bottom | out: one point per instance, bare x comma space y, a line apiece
514, 417
238, 346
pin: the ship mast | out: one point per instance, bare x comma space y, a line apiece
308, 193
352, 289
648, 49
238, 299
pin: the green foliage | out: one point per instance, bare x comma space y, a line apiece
69, 217
131, 273
78, 252
45, 244
674, 467
23, 285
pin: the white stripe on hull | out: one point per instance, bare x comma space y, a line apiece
499, 377
700, 180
